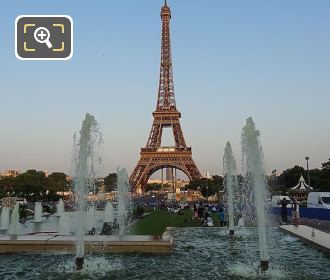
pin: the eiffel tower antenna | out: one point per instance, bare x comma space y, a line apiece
155, 157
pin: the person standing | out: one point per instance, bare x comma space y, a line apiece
295, 211
284, 211
195, 215
200, 211
221, 214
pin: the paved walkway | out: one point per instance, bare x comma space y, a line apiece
317, 224
311, 236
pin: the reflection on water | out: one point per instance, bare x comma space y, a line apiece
200, 253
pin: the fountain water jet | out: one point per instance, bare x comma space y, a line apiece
4, 218
240, 223
108, 213
253, 156
60, 208
84, 181
90, 218
37, 212
229, 167
14, 227
64, 224
124, 189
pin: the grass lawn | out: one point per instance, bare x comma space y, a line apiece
156, 222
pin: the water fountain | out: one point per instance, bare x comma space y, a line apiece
64, 224
108, 213
253, 158
60, 208
231, 264
4, 219
240, 222
90, 218
123, 206
229, 167
15, 226
83, 181
37, 212
57, 232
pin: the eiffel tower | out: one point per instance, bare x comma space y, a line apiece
155, 157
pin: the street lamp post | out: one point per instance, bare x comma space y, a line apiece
274, 183
308, 177
207, 194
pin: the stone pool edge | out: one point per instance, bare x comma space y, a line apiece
163, 244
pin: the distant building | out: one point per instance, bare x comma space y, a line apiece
207, 175
156, 181
100, 180
69, 178
10, 173
179, 182
66, 194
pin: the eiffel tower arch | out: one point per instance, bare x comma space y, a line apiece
154, 156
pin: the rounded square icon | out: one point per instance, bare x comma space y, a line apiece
43, 37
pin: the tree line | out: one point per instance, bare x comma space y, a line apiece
36, 186
319, 178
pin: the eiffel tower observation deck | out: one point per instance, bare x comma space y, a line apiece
153, 156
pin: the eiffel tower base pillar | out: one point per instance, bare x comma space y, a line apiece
139, 190
177, 193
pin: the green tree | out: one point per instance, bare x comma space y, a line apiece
31, 185
290, 177
57, 182
7, 186
110, 182
326, 176
320, 178
326, 165
207, 187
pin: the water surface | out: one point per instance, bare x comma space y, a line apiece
200, 253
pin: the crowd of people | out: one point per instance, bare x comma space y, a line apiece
202, 212
109, 228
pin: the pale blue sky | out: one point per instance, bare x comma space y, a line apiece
232, 59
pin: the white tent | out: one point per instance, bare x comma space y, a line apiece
302, 186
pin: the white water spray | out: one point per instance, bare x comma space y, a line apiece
84, 180
229, 167
4, 218
90, 218
124, 189
253, 156
15, 226
60, 208
37, 212
64, 224
108, 213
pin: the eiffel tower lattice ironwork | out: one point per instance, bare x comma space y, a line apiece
155, 157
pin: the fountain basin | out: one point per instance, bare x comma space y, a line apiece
194, 250
50, 242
